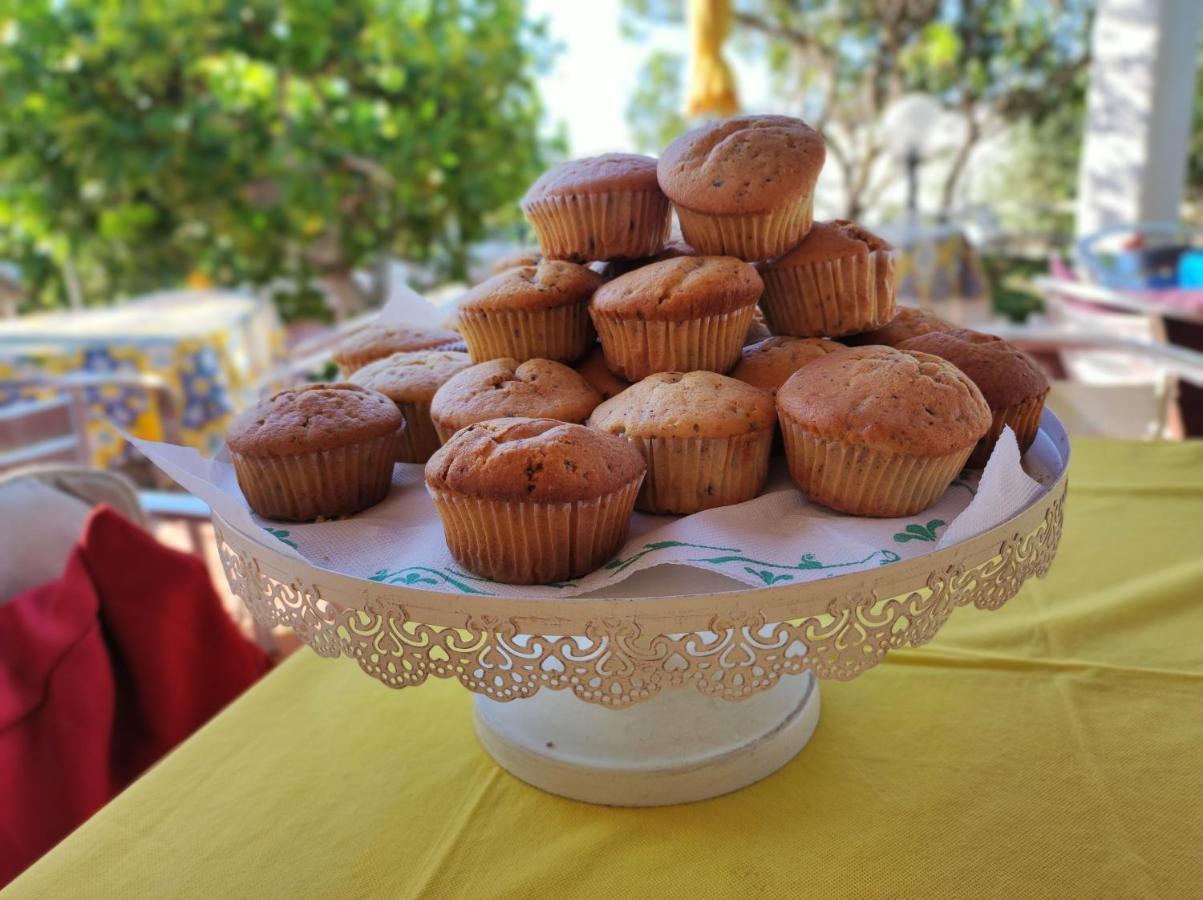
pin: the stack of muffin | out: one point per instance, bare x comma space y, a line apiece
625, 366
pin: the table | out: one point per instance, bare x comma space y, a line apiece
1048, 749
209, 348
936, 267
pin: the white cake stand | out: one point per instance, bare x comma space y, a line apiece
678, 685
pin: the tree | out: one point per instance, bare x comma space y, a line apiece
1194, 164
841, 63
280, 143
654, 110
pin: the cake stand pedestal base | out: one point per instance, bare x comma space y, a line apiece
677, 747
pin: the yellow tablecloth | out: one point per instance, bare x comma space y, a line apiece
1050, 749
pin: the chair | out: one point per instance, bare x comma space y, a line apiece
49, 427
1076, 307
1111, 408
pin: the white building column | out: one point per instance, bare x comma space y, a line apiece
1139, 109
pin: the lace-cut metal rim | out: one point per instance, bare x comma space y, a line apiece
616, 652
254, 567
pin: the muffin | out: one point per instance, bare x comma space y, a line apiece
318, 451
531, 312
744, 186
1013, 385
410, 380
601, 207
907, 322
682, 314
593, 369
375, 342
538, 388
706, 438
757, 330
533, 501
674, 247
875, 431
527, 256
767, 364
840, 280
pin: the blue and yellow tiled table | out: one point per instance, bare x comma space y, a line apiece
208, 348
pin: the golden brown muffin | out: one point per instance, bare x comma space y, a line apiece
532, 312
706, 438
375, 342
318, 451
527, 256
601, 207
674, 247
757, 330
538, 388
744, 186
1013, 385
767, 364
678, 315
593, 369
839, 280
908, 322
410, 380
875, 431
532, 501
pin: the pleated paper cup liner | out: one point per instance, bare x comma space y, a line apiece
523, 542
636, 348
687, 475
323, 484
563, 333
610, 225
1024, 419
864, 481
751, 237
830, 298
444, 431
420, 438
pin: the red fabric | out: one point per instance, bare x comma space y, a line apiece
101, 673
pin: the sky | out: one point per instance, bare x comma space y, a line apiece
593, 74
595, 71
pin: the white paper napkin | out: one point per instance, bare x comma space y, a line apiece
778, 538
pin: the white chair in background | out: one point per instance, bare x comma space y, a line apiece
1110, 407
51, 429
1101, 314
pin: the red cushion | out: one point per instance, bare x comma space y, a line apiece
101, 673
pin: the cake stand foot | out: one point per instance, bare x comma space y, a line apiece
678, 747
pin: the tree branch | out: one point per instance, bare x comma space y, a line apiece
801, 40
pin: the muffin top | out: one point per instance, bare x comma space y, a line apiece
411, 377
527, 256
686, 405
675, 246
1003, 374
746, 164
768, 363
893, 400
685, 287
377, 341
837, 239
550, 284
313, 417
758, 329
908, 322
501, 387
594, 370
541, 460
595, 175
